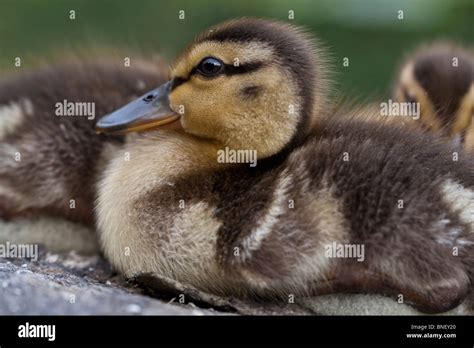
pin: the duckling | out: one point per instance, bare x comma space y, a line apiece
440, 77
181, 208
49, 160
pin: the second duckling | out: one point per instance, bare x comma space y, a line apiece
440, 77
50, 155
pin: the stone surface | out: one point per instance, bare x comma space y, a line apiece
69, 284
72, 284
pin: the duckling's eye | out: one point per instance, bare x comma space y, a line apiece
411, 100
408, 97
210, 66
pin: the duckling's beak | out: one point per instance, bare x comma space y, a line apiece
150, 110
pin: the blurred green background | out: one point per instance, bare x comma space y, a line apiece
368, 32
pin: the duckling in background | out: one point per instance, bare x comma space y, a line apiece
323, 182
469, 140
440, 77
50, 155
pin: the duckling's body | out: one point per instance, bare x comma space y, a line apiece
321, 180
185, 217
49, 163
440, 77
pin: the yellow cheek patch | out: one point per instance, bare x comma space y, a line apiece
216, 109
177, 98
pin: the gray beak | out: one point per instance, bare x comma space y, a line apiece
150, 110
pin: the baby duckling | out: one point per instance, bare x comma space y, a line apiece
440, 78
179, 208
50, 157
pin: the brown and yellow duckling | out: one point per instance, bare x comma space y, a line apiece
50, 155
319, 184
440, 77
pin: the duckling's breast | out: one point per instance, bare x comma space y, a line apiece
146, 223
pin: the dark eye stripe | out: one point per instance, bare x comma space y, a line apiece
177, 81
229, 70
408, 98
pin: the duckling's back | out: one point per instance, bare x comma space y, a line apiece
362, 207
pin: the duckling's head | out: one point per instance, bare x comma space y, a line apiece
440, 78
246, 84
